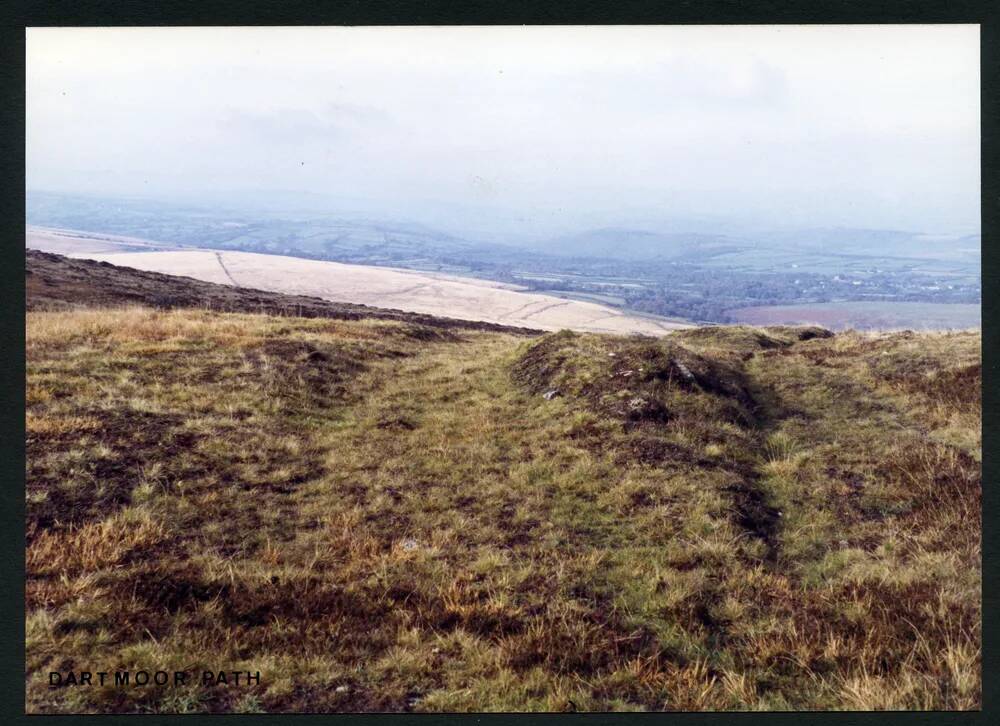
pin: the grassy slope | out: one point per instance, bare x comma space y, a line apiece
383, 516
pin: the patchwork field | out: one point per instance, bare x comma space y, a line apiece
420, 292
866, 315
383, 515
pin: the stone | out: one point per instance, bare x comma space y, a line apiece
685, 371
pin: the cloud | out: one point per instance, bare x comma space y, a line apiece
800, 120
749, 82
294, 126
358, 114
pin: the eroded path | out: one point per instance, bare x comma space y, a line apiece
383, 516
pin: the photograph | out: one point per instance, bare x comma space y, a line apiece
502, 368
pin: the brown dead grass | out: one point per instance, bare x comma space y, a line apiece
383, 517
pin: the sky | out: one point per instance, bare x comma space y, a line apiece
523, 129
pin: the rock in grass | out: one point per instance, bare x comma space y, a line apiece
684, 370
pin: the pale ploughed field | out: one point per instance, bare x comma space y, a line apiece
384, 287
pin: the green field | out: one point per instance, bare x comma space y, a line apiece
866, 316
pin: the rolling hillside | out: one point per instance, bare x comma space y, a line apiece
679, 269
386, 512
426, 293
635, 244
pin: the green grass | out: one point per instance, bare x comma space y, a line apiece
379, 516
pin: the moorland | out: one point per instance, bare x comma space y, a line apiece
382, 511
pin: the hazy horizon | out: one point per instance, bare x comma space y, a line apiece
523, 130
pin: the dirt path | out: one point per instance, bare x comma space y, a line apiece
225, 270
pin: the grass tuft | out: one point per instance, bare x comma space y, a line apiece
384, 516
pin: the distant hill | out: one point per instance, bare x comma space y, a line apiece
380, 287
637, 244
368, 238
879, 243
55, 282
310, 234
692, 269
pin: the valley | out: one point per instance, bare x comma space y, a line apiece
688, 272
872, 315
